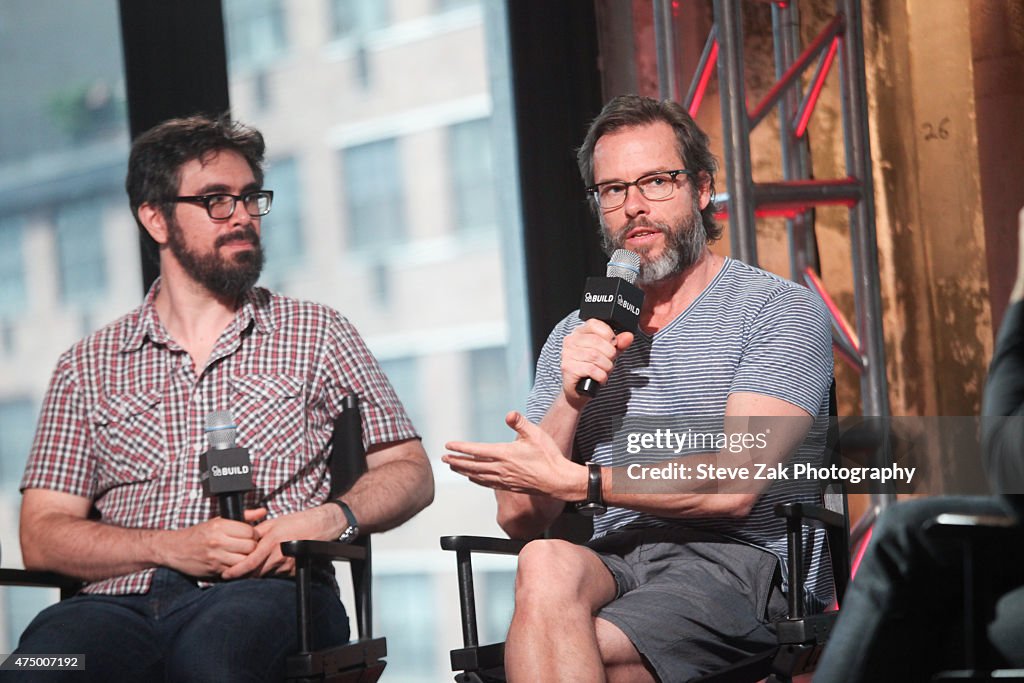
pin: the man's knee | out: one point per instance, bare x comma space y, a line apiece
246, 630
550, 569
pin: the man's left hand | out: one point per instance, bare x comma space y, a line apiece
530, 464
311, 524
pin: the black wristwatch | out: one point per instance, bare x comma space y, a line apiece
351, 532
594, 504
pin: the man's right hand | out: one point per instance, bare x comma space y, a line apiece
209, 548
590, 351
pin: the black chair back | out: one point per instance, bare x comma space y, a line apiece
347, 464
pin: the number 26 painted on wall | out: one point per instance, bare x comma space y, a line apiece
941, 132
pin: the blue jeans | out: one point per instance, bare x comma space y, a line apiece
235, 631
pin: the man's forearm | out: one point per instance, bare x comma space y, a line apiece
390, 494
87, 549
524, 516
560, 423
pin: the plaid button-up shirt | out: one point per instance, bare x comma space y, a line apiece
122, 422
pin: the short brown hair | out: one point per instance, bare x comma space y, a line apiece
626, 111
157, 156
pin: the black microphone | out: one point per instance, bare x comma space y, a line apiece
615, 300
225, 469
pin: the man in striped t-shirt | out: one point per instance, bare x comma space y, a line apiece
679, 579
113, 491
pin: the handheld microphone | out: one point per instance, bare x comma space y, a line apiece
225, 469
613, 299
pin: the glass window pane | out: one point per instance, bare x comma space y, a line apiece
355, 17
499, 599
18, 607
404, 607
488, 395
13, 292
472, 168
17, 427
401, 372
281, 229
80, 250
402, 232
374, 193
256, 32
69, 250
446, 5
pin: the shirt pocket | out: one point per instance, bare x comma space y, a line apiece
129, 440
271, 417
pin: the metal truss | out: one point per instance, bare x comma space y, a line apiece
839, 44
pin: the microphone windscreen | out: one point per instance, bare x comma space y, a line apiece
624, 264
220, 429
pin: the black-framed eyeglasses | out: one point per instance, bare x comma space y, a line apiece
656, 186
221, 205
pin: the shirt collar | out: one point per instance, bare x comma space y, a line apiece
255, 310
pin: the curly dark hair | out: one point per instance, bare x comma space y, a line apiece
626, 111
157, 156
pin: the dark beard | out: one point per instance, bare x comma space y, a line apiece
684, 245
222, 278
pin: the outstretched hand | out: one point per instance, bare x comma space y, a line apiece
531, 464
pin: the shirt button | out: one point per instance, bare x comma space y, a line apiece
193, 494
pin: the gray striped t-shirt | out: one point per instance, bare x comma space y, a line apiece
748, 331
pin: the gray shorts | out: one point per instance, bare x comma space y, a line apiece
691, 602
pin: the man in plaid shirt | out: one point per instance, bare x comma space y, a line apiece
112, 490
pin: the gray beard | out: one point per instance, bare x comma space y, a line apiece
684, 245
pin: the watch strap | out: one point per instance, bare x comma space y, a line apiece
350, 533
594, 504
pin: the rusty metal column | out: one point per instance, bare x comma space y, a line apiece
665, 46
736, 131
795, 153
867, 298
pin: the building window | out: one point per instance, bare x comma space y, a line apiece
256, 32
448, 5
404, 377
499, 600
17, 425
406, 613
281, 230
80, 252
353, 18
472, 172
488, 395
375, 194
13, 295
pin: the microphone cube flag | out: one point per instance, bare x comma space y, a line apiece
614, 301
226, 470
